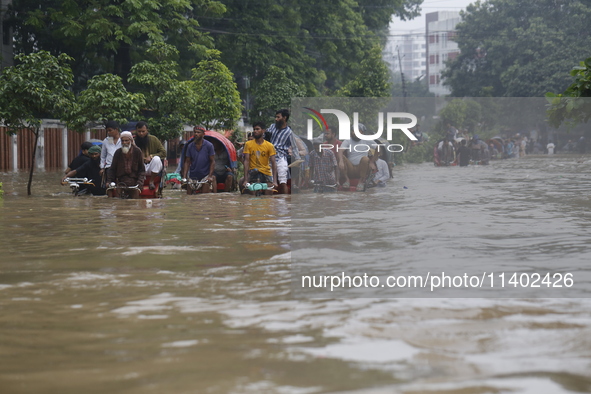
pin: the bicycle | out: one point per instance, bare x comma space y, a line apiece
75, 183
194, 186
123, 191
322, 188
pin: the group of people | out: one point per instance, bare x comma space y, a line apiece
458, 148
335, 163
124, 159
271, 156
127, 159
264, 161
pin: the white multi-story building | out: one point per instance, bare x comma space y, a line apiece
411, 47
5, 37
439, 33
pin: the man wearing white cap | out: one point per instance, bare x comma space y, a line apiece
127, 166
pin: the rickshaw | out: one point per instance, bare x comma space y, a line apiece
194, 186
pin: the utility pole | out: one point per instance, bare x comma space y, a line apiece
404, 94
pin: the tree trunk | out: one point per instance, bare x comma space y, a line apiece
36, 132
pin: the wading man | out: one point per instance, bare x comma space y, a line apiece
127, 167
82, 158
91, 170
281, 140
259, 159
110, 146
199, 162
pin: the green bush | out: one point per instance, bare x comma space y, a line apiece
417, 154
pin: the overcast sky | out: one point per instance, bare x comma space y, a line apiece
397, 26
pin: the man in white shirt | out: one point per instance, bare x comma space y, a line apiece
550, 148
110, 145
381, 176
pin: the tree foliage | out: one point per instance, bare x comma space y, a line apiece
273, 93
574, 104
218, 101
38, 86
169, 101
106, 98
110, 36
320, 45
518, 48
377, 14
416, 88
372, 80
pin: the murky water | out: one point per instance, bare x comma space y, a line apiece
194, 294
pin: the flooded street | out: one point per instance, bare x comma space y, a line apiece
198, 294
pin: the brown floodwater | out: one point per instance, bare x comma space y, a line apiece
199, 294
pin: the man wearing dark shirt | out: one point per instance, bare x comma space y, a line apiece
127, 167
91, 170
199, 162
153, 150
82, 158
464, 154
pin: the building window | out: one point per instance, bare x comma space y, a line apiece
431, 39
437, 59
432, 59
452, 55
432, 80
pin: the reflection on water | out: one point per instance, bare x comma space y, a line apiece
194, 293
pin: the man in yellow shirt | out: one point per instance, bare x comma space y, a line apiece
259, 159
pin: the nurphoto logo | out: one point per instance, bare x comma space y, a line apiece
344, 132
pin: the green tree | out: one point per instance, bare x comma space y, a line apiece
218, 101
273, 93
372, 80
454, 113
105, 99
319, 44
573, 106
37, 87
110, 36
169, 101
518, 48
378, 13
416, 88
